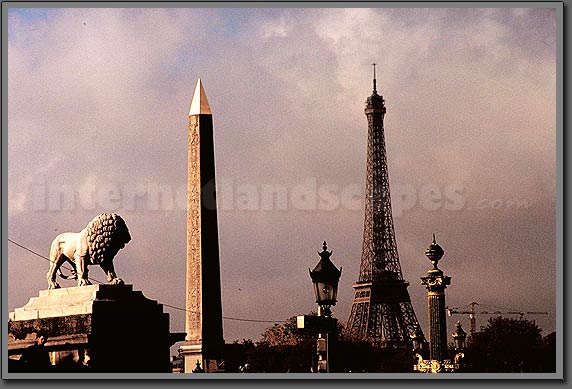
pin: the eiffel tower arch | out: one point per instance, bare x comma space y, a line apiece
381, 311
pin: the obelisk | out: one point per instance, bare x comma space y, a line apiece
204, 340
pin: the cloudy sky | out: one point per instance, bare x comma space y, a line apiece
97, 120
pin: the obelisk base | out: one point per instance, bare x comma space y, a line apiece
193, 353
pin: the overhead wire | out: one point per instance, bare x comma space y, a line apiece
46, 258
166, 305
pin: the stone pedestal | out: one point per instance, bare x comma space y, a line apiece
97, 328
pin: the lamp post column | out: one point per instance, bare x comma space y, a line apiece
325, 278
323, 345
459, 337
436, 283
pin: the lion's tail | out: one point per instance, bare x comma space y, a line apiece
71, 276
55, 253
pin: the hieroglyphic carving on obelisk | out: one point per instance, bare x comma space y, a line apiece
204, 339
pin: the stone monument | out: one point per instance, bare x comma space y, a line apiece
96, 328
96, 244
204, 340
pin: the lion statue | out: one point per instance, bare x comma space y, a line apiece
96, 244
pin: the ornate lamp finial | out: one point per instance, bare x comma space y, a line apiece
325, 253
434, 252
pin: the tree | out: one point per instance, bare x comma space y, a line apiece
236, 354
282, 348
358, 354
286, 334
547, 354
506, 345
285, 348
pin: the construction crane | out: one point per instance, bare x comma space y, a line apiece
472, 313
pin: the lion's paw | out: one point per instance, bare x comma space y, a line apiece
117, 281
53, 285
83, 282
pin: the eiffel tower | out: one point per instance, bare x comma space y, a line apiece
381, 311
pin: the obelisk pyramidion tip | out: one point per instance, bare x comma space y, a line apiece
200, 104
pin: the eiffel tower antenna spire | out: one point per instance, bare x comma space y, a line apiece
374, 80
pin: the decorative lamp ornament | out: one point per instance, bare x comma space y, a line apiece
434, 252
325, 278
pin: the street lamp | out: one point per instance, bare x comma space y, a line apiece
417, 339
325, 278
459, 337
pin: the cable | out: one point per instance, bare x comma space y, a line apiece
254, 320
166, 305
48, 259
226, 317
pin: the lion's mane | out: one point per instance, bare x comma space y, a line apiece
107, 233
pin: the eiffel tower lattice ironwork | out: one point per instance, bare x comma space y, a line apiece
381, 310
